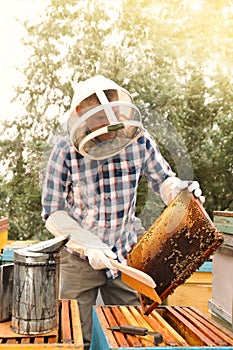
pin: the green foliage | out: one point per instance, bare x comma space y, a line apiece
175, 61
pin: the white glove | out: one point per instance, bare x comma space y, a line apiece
83, 241
60, 223
172, 186
98, 259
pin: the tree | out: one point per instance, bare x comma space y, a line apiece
168, 56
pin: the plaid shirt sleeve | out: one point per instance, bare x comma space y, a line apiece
156, 168
57, 180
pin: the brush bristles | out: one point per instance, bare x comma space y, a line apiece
141, 287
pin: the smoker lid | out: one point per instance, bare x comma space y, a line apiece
53, 245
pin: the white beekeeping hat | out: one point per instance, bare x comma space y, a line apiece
102, 119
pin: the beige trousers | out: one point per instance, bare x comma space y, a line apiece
78, 280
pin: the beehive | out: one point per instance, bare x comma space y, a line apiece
4, 225
221, 303
68, 334
181, 327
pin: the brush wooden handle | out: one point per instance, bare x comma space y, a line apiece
134, 273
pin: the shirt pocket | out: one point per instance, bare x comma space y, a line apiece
128, 172
127, 175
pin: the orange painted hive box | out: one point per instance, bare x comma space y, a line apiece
68, 334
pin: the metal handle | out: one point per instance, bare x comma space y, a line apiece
135, 330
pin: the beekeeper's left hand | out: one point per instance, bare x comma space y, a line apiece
172, 186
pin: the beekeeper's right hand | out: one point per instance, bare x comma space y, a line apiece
99, 259
83, 241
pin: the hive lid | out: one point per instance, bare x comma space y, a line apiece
223, 220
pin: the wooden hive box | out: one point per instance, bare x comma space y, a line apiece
68, 334
4, 225
181, 327
221, 304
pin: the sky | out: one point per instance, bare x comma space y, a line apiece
12, 51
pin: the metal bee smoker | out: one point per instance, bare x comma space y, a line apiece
36, 287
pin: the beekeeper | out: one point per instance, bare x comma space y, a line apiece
90, 192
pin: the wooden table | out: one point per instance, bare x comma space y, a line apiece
68, 334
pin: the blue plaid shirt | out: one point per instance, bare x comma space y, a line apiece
101, 194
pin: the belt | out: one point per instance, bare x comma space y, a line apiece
75, 253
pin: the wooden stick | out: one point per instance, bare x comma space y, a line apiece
132, 339
195, 337
66, 336
104, 324
120, 337
201, 326
222, 333
168, 338
145, 340
75, 322
175, 335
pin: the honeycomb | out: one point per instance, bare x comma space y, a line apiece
176, 244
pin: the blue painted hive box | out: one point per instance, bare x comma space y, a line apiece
7, 255
180, 327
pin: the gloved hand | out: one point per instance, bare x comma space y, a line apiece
98, 258
60, 223
81, 240
172, 186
